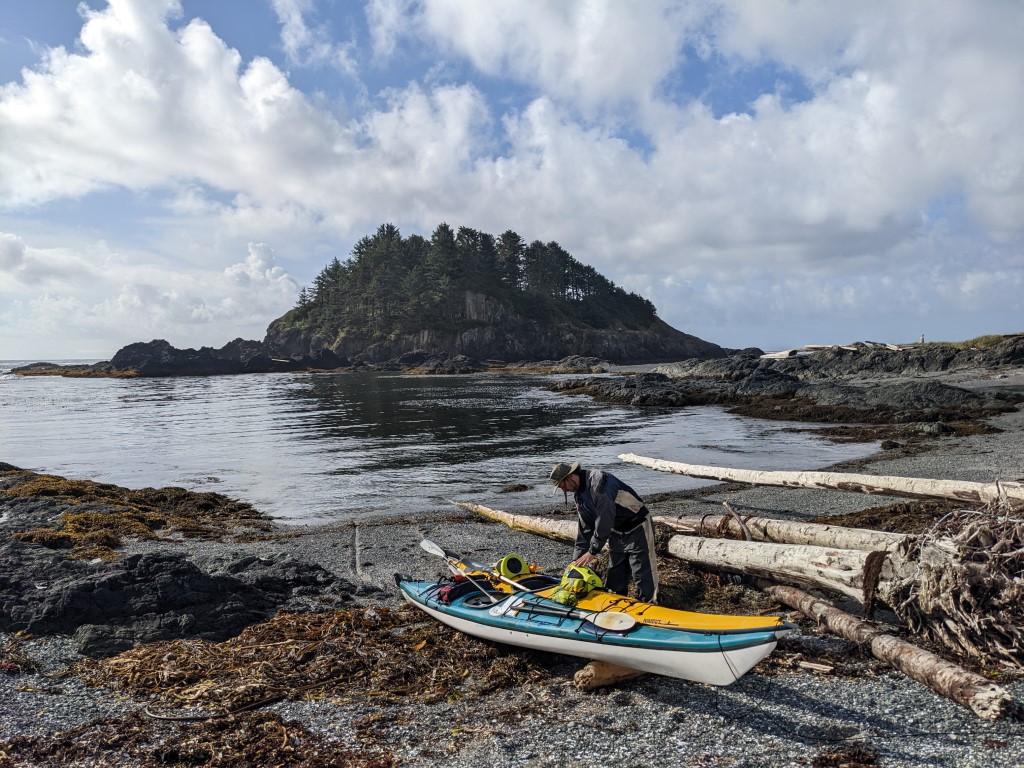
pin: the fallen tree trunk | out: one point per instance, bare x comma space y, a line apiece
841, 571
784, 531
836, 570
912, 487
559, 530
983, 697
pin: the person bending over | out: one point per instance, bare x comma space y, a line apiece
610, 511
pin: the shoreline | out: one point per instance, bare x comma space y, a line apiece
774, 716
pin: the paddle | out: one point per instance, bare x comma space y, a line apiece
611, 620
453, 560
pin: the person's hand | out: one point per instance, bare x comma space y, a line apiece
583, 559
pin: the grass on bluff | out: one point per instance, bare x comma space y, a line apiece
979, 342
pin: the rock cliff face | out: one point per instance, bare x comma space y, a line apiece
490, 330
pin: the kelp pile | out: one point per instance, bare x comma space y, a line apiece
243, 741
13, 659
392, 655
97, 517
204, 697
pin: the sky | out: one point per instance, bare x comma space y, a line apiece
769, 173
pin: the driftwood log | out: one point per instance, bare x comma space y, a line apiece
847, 572
762, 528
912, 487
983, 697
837, 570
784, 531
559, 530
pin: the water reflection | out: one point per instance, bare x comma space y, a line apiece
327, 446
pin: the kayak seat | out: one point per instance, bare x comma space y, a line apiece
451, 593
538, 581
483, 600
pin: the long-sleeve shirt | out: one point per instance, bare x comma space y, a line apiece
604, 503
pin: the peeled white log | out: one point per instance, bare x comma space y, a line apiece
786, 531
837, 570
559, 530
983, 697
913, 487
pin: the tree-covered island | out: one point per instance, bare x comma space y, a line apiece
468, 292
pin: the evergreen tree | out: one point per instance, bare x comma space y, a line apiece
391, 284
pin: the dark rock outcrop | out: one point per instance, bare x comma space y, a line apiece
770, 393
862, 361
576, 364
447, 366
110, 607
159, 358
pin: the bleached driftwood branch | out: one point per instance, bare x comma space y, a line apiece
784, 531
912, 487
983, 697
841, 571
598, 674
559, 530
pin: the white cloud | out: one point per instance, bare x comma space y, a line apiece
583, 53
86, 295
146, 106
259, 269
822, 200
388, 20
310, 46
12, 252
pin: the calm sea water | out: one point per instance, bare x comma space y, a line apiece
321, 447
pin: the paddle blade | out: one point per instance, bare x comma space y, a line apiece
432, 548
613, 621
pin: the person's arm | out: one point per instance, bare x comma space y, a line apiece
584, 532
603, 511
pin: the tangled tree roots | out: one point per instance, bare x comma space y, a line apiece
968, 593
342, 655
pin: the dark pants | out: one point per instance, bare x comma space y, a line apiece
633, 554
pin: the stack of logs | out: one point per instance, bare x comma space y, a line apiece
960, 585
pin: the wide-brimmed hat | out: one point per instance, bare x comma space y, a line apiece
561, 471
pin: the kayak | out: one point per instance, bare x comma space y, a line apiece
708, 648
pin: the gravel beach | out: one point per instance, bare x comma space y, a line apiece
776, 717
